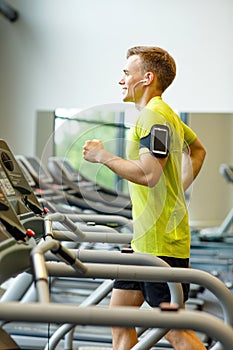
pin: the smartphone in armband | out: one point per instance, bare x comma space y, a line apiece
160, 141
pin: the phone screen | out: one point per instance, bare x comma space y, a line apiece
160, 141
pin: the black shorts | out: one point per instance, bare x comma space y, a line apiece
156, 293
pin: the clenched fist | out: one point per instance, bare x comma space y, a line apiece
92, 150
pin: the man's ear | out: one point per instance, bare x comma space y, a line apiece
149, 77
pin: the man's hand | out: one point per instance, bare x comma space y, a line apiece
92, 150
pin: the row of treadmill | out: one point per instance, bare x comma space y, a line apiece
63, 241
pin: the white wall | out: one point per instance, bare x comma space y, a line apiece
211, 196
70, 53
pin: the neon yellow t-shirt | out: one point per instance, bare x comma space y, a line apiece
160, 214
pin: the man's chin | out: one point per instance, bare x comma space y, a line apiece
126, 99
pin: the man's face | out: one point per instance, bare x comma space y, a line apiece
130, 82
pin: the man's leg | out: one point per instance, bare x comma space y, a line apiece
184, 340
125, 338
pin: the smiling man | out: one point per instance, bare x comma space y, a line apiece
158, 175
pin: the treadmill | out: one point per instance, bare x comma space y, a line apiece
225, 230
45, 181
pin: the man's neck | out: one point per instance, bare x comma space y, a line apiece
145, 100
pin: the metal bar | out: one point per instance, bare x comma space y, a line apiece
17, 288
103, 237
103, 219
120, 316
176, 291
100, 293
149, 273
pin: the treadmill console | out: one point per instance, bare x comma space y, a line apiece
15, 185
64, 169
4, 235
26, 173
20, 211
42, 174
8, 216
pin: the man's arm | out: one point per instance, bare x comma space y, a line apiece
193, 159
145, 171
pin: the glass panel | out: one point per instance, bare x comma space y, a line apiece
71, 132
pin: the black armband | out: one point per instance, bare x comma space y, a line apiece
157, 141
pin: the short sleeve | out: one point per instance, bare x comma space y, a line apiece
189, 134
